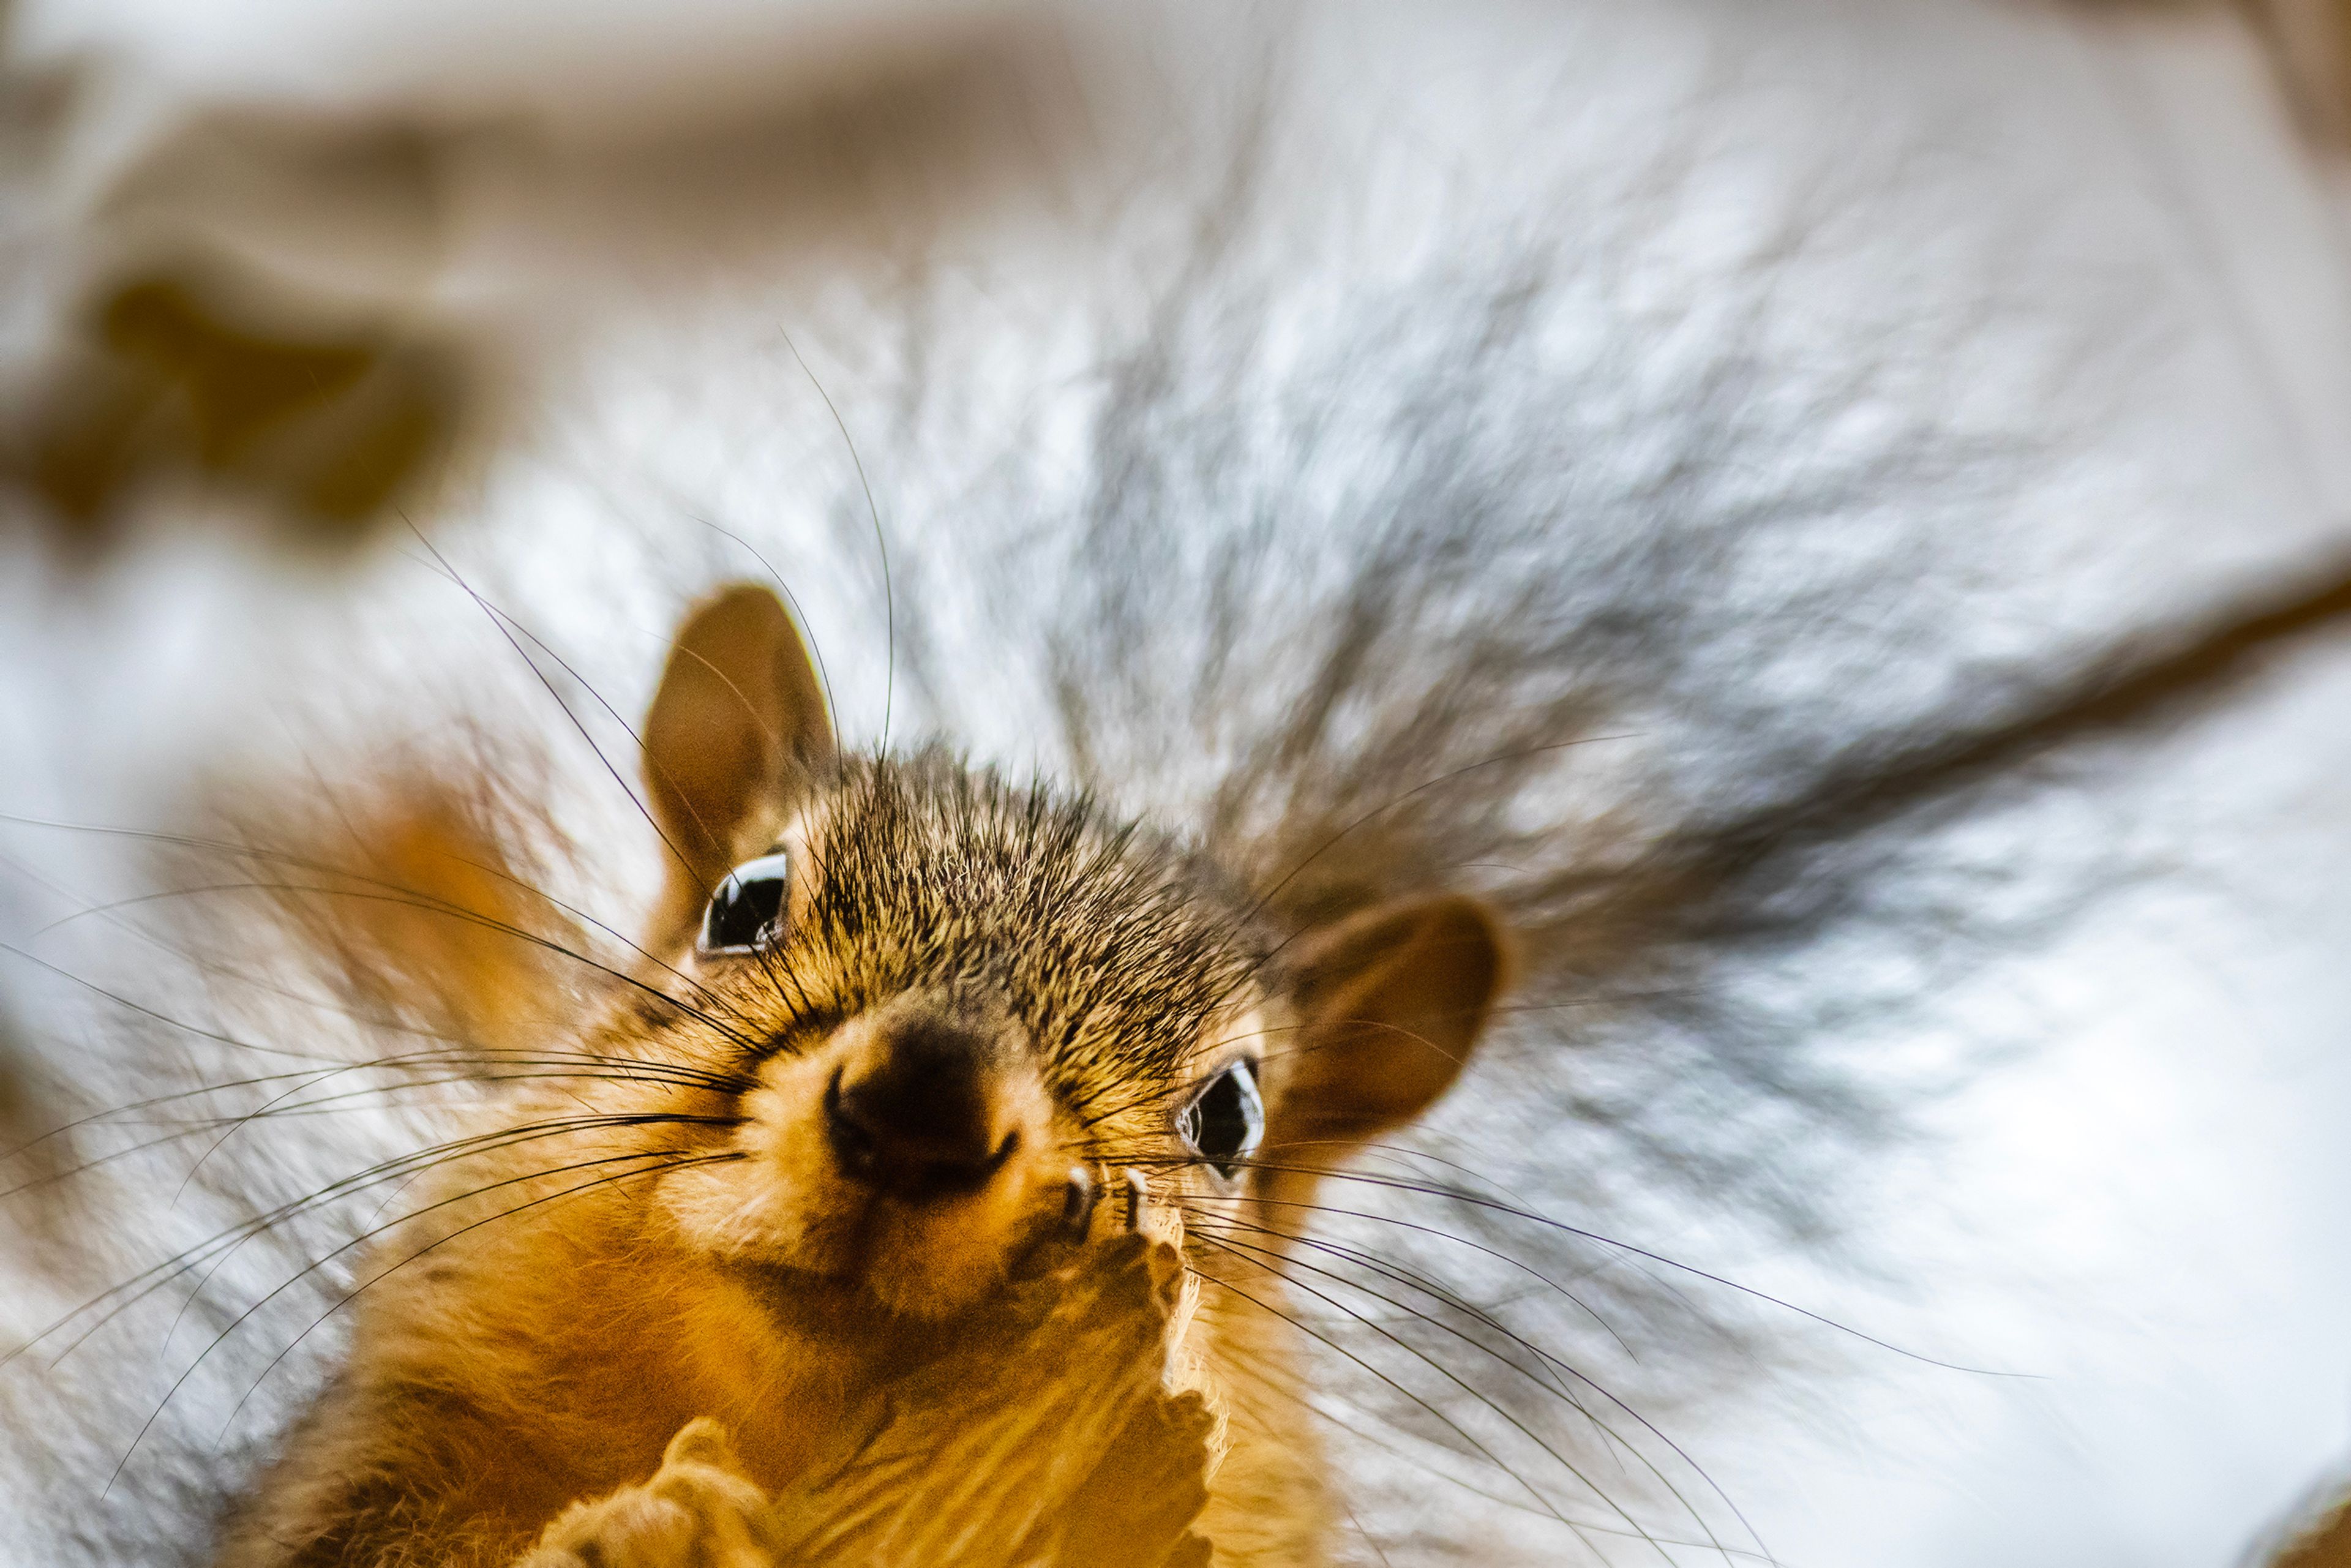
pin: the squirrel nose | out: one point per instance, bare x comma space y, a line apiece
916, 1111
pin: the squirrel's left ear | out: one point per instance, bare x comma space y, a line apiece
1390, 1003
737, 726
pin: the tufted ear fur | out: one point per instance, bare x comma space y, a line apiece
737, 728
1390, 1004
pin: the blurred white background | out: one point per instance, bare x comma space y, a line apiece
2090, 246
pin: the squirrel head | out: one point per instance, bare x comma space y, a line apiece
963, 1009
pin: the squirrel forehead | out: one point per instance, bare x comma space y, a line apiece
922, 873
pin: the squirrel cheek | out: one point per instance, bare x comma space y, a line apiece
758, 1209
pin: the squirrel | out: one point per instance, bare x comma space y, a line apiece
905, 1040
1540, 547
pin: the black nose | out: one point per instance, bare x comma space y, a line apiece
914, 1109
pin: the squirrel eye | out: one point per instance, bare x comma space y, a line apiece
1226, 1119
744, 909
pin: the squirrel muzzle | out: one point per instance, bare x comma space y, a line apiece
931, 1097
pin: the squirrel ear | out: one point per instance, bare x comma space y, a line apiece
1390, 1001
738, 724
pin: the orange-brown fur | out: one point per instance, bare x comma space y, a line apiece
688, 1244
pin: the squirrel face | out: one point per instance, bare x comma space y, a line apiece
959, 1019
972, 1008
904, 1038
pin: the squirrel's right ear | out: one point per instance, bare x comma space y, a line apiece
738, 729
1390, 1001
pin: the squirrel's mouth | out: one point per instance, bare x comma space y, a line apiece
928, 1251
871, 1258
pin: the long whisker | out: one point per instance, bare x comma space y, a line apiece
683, 1158
1413, 1279
471, 917
164, 1019
582, 1065
1606, 1327
1532, 1217
498, 625
679, 1079
824, 676
1543, 1502
880, 545
149, 1104
180, 1381
328, 868
411, 897
1269, 1378
183, 1129
504, 1139
1278, 1263
149, 1280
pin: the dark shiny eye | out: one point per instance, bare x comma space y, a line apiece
1228, 1119
743, 912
